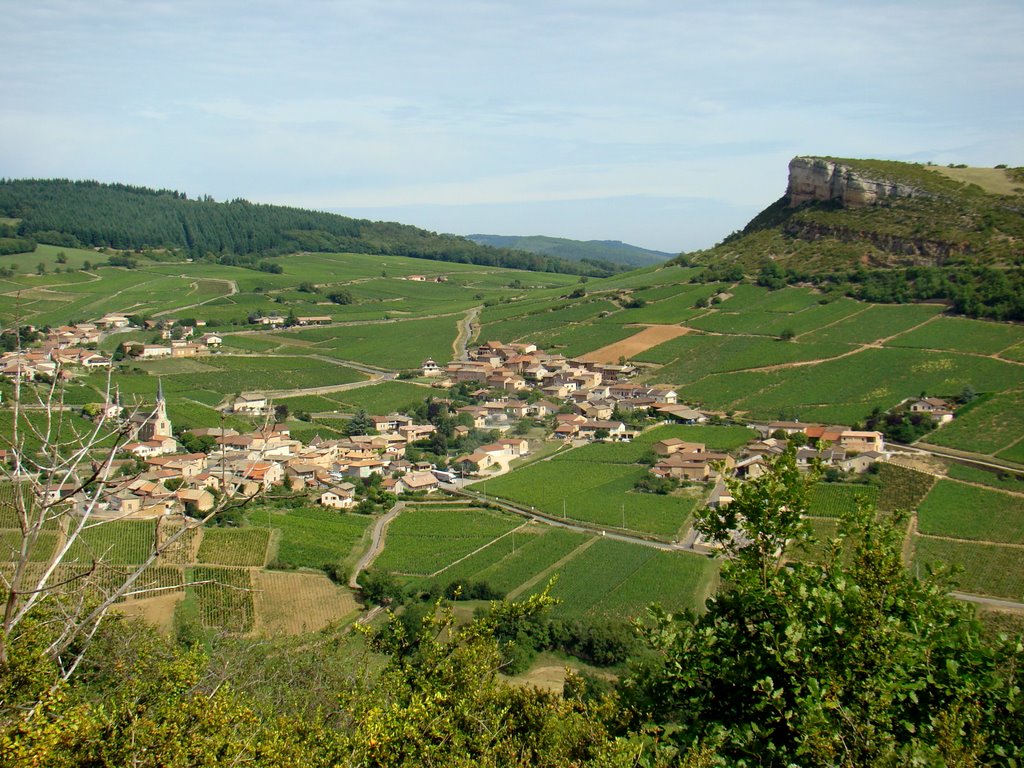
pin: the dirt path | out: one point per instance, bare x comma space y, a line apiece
650, 336
466, 327
546, 573
232, 290
958, 540
376, 543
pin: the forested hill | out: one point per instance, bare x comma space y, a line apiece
90, 214
577, 250
888, 231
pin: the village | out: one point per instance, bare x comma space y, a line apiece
571, 402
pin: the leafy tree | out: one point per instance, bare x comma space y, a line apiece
341, 297
851, 661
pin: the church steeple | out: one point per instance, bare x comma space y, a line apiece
160, 389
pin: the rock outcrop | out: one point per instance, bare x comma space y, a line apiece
815, 178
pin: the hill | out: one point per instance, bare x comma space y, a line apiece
89, 214
612, 251
889, 231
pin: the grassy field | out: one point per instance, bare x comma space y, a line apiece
425, 539
986, 569
836, 499
312, 536
966, 512
599, 493
613, 578
988, 427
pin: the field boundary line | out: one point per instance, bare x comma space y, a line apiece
962, 540
536, 579
478, 549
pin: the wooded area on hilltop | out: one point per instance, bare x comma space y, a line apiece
90, 214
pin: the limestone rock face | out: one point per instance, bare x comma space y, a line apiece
814, 178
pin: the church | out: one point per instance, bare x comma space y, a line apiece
151, 429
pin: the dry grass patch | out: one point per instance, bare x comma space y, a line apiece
994, 180
157, 610
651, 336
293, 603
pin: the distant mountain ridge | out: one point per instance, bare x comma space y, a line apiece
613, 251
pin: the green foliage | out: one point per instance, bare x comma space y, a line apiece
237, 232
828, 664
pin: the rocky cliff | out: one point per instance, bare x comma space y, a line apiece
815, 178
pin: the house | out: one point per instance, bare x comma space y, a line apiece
421, 481
861, 442
339, 496
150, 351
517, 446
682, 414
940, 410
200, 498
431, 369
672, 445
313, 320
720, 496
211, 340
249, 403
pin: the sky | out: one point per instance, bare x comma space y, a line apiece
662, 123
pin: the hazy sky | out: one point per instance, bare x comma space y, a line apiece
664, 123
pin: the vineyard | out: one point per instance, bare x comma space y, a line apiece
234, 546
224, 597
426, 539
967, 512
987, 569
902, 488
836, 499
621, 579
512, 561
288, 603
597, 493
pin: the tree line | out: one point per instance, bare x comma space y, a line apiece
90, 214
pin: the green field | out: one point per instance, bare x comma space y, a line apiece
988, 427
121, 542
836, 499
967, 512
597, 493
514, 560
962, 335
617, 579
987, 569
384, 398
312, 536
868, 379
422, 540
1005, 481
234, 546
